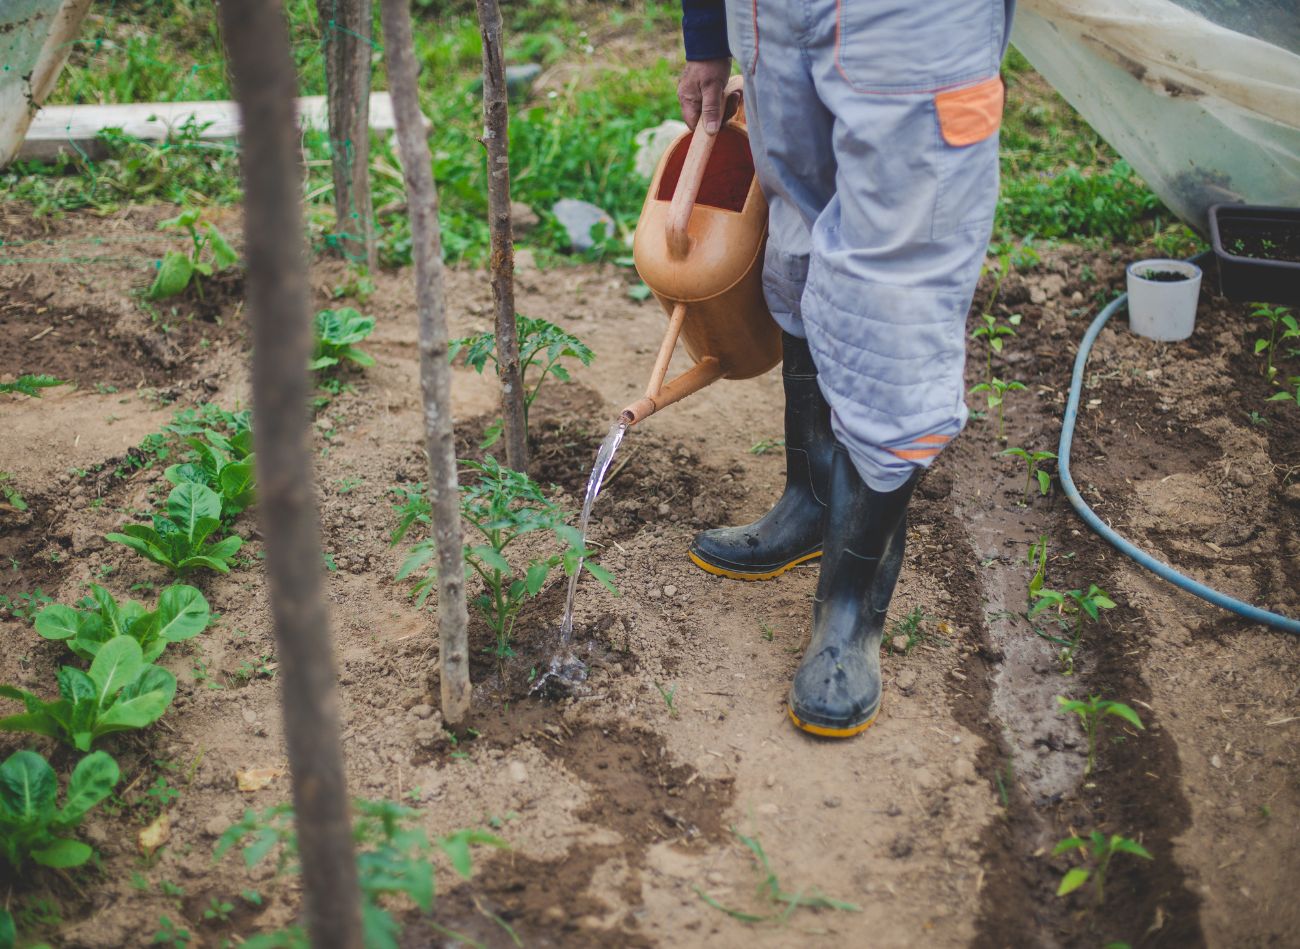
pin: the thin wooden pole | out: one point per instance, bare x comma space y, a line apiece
257, 45
435, 371
345, 41
496, 139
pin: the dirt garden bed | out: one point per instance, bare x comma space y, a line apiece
622, 809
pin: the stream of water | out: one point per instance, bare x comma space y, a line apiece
564, 665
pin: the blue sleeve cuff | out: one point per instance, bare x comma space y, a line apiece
704, 29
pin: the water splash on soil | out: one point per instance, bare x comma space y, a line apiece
566, 667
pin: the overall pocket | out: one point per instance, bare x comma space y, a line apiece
967, 119
899, 46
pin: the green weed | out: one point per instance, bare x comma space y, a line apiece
31, 384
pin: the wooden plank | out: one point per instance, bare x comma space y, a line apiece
57, 129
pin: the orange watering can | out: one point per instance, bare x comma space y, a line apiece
699, 248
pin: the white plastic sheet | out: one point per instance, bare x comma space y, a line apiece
35, 39
1202, 97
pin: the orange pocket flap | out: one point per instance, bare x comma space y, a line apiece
972, 113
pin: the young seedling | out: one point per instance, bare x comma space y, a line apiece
32, 825
1091, 711
224, 465
997, 391
669, 696
394, 856
770, 891
337, 332
31, 384
911, 628
182, 613
178, 538
541, 347
1032, 461
1070, 607
503, 505
1038, 560
1099, 849
178, 269
1294, 382
1279, 320
11, 494
121, 693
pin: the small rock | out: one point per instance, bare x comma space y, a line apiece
905, 682
520, 79
1216, 761
522, 218
768, 810
656, 593
250, 716
962, 771
664, 510
421, 710
651, 144
553, 914
1234, 812
770, 781
589, 922
670, 590
715, 878
216, 826
898, 644
518, 773
579, 218
1076, 297
1292, 494
832, 801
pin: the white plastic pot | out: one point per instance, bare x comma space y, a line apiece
1160, 309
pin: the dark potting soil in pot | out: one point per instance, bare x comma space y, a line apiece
1263, 243
1164, 276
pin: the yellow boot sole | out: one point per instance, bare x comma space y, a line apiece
736, 575
824, 732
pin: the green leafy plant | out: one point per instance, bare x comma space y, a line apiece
182, 613
122, 692
32, 825
1032, 460
990, 329
1038, 560
1069, 610
393, 857
911, 628
502, 505
210, 253
225, 465
770, 891
31, 384
541, 347
1091, 711
11, 494
26, 606
997, 391
178, 538
1099, 849
1279, 320
1293, 381
670, 698
337, 332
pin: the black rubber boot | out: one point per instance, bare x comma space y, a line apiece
836, 690
790, 533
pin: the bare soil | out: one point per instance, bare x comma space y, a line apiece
621, 811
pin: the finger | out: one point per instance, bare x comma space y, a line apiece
712, 110
690, 102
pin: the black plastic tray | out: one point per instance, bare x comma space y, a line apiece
1250, 279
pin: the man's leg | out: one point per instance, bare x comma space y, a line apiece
896, 254
790, 136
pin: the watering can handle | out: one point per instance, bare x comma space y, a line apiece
692, 176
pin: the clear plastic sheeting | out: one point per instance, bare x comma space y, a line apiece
1201, 97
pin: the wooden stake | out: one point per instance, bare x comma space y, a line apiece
435, 370
345, 42
496, 139
257, 44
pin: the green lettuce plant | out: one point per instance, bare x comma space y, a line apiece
33, 827
178, 538
337, 332
226, 465
182, 613
121, 692
210, 252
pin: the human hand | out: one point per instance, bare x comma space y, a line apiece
699, 90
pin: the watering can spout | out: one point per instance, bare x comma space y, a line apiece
699, 248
